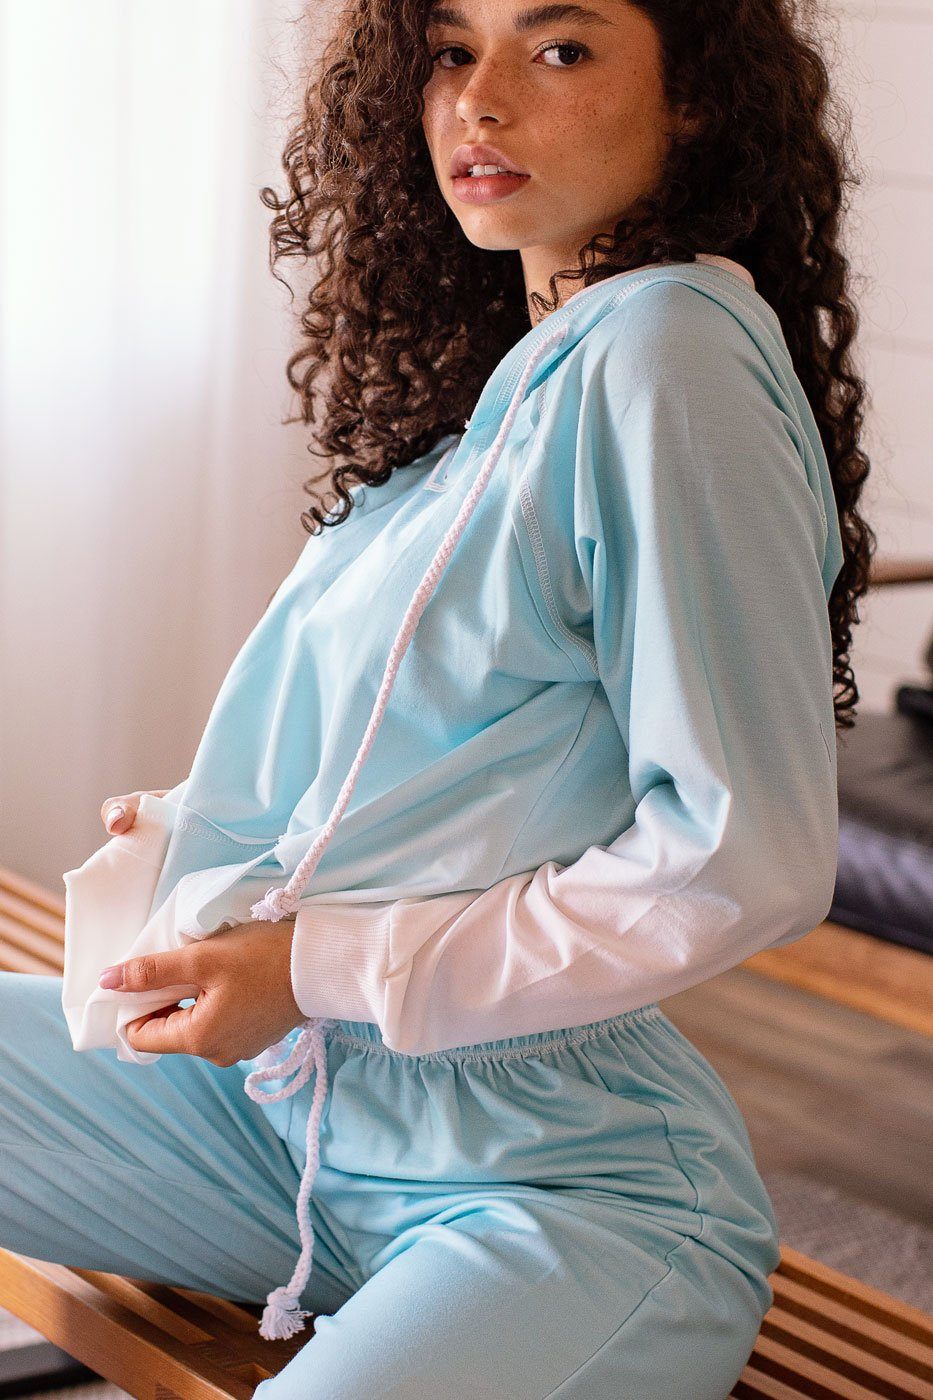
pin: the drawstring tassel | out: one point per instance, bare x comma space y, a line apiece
274, 905
282, 1317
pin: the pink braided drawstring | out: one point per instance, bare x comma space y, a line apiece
279, 903
282, 1316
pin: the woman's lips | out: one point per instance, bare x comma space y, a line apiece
487, 189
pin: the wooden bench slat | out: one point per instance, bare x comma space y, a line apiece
883, 1341
79, 1310
17, 910
862, 1297
31, 893
144, 1298
16, 907
845, 965
19, 933
240, 1317
17, 960
851, 1358
823, 1369
890, 1344
114, 1325
32, 934
230, 1322
759, 1385
885, 1348
64, 1306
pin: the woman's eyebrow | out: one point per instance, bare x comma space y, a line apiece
525, 19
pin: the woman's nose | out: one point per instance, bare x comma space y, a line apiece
484, 95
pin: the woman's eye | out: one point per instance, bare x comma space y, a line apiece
563, 46
560, 46
449, 48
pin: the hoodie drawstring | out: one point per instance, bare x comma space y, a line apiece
282, 1316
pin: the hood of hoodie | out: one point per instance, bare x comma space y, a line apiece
722, 279
578, 314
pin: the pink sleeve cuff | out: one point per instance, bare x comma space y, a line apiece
338, 960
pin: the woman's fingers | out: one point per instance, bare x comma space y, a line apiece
119, 813
167, 1030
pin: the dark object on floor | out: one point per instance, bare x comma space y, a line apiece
884, 881
915, 700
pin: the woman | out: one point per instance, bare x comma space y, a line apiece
603, 421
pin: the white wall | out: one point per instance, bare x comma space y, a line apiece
883, 63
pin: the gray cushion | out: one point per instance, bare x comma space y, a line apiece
884, 881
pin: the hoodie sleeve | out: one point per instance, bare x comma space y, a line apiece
701, 542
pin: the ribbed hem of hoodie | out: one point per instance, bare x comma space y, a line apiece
338, 960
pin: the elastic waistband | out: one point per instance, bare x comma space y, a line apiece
368, 1036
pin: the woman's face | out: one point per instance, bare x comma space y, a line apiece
569, 95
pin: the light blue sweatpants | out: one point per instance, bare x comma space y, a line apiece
574, 1213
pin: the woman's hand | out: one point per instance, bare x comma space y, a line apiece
244, 1000
119, 813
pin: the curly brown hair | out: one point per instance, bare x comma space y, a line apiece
411, 318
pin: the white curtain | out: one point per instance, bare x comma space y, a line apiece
149, 493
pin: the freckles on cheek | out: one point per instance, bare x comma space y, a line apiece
440, 102
575, 136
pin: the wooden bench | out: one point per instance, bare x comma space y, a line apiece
826, 1335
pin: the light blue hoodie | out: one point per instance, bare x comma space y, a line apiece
606, 767
653, 550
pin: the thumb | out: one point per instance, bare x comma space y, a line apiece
151, 971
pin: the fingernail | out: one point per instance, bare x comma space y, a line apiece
111, 977
114, 815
